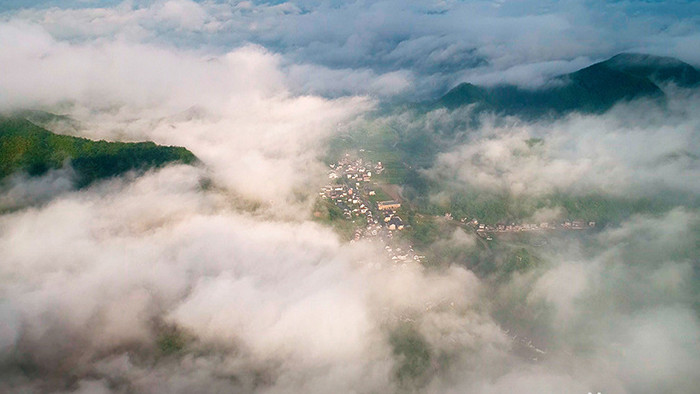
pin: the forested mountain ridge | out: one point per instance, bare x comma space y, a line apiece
27, 147
593, 89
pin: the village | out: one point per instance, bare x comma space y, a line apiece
354, 192
359, 196
526, 227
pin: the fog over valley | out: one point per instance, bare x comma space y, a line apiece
367, 197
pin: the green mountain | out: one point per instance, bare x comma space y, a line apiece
593, 89
658, 69
25, 146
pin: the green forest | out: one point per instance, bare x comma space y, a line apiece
27, 147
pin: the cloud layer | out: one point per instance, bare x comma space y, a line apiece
212, 278
387, 44
635, 150
269, 305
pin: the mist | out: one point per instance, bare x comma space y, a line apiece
635, 149
215, 277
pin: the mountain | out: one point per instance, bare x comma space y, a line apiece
660, 70
25, 146
593, 89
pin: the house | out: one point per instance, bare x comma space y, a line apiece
395, 223
386, 205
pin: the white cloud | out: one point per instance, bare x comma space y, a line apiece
185, 13
636, 149
234, 111
286, 298
440, 43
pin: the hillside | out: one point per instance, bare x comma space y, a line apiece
593, 89
25, 146
658, 69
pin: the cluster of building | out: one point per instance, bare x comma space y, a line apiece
349, 200
388, 209
524, 346
513, 227
356, 170
351, 190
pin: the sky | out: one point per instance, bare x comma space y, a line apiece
266, 299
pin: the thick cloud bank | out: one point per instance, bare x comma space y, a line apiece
234, 111
266, 305
96, 283
635, 150
213, 278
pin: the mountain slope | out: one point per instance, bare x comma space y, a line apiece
658, 69
593, 89
27, 147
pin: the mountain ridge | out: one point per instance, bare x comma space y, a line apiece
25, 146
592, 89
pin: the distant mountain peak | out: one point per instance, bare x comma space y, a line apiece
644, 59
593, 89
659, 69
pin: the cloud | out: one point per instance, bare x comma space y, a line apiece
19, 190
342, 82
603, 316
442, 43
185, 14
234, 111
212, 278
287, 300
532, 75
122, 73
628, 151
